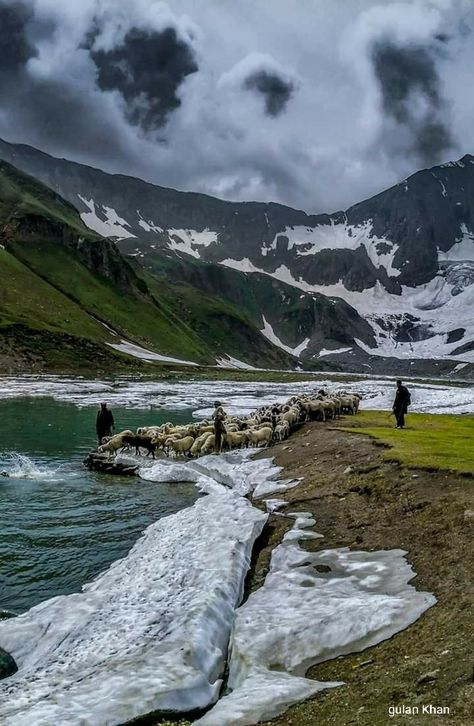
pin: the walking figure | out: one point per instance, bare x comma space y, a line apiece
400, 404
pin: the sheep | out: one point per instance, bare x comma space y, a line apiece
347, 404
144, 430
267, 423
180, 446
260, 436
282, 431
316, 409
144, 442
235, 439
198, 443
208, 445
208, 428
115, 443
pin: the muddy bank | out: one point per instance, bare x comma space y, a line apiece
363, 502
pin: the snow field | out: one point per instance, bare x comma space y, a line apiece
313, 606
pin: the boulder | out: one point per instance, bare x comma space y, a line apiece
7, 664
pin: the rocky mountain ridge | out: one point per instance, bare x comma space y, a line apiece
402, 261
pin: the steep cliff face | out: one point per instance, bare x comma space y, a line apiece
402, 261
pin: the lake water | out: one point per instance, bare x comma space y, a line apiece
61, 524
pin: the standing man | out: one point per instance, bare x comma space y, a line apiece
104, 422
219, 428
400, 404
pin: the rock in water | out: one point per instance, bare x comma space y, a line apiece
7, 664
5, 614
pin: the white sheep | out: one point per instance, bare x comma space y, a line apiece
198, 443
114, 443
180, 446
208, 445
260, 437
236, 439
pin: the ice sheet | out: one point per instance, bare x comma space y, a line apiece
313, 606
238, 397
149, 633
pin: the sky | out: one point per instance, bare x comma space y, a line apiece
317, 104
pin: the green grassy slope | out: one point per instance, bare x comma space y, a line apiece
62, 278
427, 442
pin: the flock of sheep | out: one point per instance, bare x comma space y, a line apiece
260, 428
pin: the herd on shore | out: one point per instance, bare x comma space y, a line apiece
224, 432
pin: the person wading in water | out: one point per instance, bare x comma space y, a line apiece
400, 404
219, 428
104, 422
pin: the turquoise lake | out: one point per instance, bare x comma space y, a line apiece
61, 524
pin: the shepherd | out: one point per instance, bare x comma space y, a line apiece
219, 428
400, 404
104, 422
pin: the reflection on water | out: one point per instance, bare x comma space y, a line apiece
60, 524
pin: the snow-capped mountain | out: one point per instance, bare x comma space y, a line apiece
397, 269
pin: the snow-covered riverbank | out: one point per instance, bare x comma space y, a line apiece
152, 632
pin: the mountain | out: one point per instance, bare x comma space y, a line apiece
387, 283
70, 299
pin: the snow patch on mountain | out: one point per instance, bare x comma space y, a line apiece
229, 362
111, 226
336, 351
335, 236
144, 354
386, 312
148, 226
243, 265
189, 240
270, 334
460, 251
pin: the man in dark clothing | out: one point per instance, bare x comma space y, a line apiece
219, 427
401, 403
105, 422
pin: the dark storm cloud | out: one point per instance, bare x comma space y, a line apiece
411, 96
15, 48
147, 68
276, 91
51, 110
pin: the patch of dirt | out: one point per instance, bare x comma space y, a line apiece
363, 502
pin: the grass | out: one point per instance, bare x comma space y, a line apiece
137, 319
430, 441
27, 299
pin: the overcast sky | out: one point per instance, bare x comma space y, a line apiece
313, 103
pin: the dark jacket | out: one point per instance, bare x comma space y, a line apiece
104, 422
402, 399
219, 417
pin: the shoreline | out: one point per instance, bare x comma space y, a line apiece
362, 501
